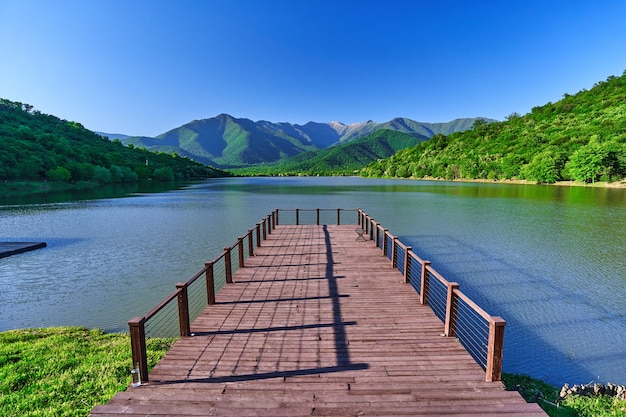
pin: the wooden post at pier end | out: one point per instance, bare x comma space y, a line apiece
138, 346
494, 349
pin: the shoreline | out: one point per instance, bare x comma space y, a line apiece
599, 184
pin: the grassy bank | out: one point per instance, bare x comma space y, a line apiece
65, 371
547, 396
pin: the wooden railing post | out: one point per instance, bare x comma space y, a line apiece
407, 278
297, 217
250, 243
394, 251
377, 234
240, 252
494, 349
258, 235
318, 217
424, 283
210, 283
277, 223
452, 304
138, 346
269, 224
338, 217
384, 248
183, 309
227, 266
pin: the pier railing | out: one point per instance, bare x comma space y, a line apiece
318, 216
481, 334
173, 316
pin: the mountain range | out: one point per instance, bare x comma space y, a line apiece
228, 142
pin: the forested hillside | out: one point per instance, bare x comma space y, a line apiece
342, 159
35, 146
582, 137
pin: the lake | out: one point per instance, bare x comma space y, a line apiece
550, 260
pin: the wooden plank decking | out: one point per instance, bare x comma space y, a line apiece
14, 248
317, 324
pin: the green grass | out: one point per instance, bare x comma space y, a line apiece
65, 371
547, 396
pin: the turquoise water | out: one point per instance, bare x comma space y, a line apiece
550, 260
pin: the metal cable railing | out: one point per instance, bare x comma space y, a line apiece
414, 274
399, 257
437, 293
472, 330
318, 216
482, 335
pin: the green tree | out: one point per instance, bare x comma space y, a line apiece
164, 174
101, 175
544, 168
586, 163
59, 174
29, 168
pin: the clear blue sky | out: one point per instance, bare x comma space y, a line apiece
145, 67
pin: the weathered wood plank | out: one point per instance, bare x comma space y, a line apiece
317, 324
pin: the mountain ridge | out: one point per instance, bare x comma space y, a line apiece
228, 142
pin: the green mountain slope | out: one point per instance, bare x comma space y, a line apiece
36, 146
345, 158
229, 142
582, 137
226, 141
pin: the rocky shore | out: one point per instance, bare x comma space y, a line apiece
594, 390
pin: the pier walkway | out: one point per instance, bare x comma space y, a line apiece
317, 324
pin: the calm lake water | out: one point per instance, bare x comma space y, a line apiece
550, 260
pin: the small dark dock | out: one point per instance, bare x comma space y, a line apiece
13, 248
317, 324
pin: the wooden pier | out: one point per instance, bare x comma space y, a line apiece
14, 248
317, 324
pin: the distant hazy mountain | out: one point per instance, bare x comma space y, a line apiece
225, 141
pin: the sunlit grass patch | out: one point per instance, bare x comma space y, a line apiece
65, 371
